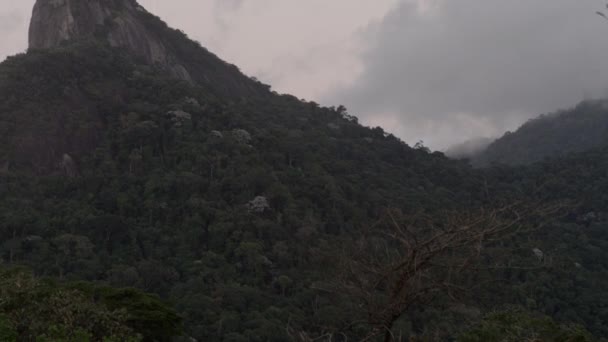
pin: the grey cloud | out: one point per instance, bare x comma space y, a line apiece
10, 21
229, 5
14, 16
471, 68
222, 11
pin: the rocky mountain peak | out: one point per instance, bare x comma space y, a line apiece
127, 25
119, 22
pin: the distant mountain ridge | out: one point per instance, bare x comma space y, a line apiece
579, 129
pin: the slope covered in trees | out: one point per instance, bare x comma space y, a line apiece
238, 211
127, 25
548, 136
228, 209
36, 309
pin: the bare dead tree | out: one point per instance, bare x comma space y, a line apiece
406, 260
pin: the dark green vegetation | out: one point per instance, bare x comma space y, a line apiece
33, 309
210, 72
237, 211
549, 136
516, 325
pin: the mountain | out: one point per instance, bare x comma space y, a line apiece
238, 206
126, 24
117, 172
579, 129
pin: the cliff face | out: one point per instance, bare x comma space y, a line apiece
118, 21
126, 24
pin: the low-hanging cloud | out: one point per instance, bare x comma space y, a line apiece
10, 21
455, 70
229, 5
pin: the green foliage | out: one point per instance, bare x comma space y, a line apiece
50, 311
211, 73
549, 136
36, 309
164, 207
100, 182
144, 313
518, 325
7, 333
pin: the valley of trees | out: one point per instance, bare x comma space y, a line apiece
136, 207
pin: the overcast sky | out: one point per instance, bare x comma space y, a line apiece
441, 71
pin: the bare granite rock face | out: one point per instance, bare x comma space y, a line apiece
127, 25
118, 21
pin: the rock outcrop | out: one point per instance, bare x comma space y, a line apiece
118, 21
127, 25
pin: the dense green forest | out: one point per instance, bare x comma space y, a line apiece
549, 136
234, 212
36, 309
153, 209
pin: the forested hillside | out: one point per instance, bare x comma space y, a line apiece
548, 136
266, 218
234, 211
228, 209
38, 309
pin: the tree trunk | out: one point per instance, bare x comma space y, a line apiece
388, 335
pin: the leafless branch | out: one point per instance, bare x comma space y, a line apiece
410, 259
